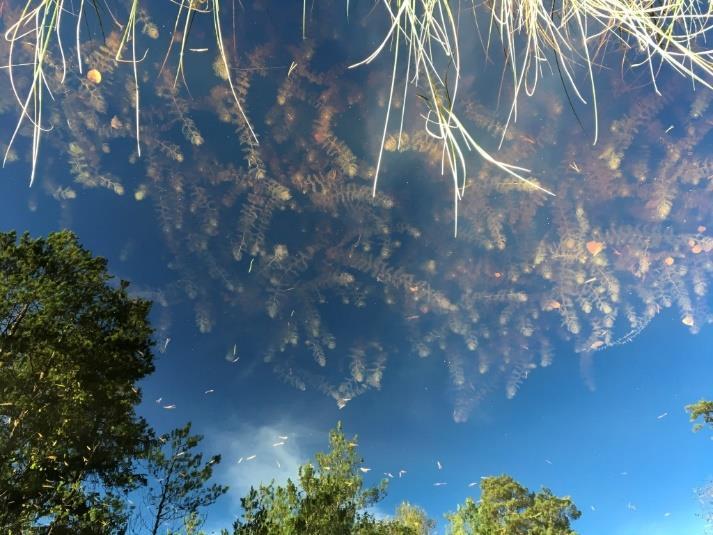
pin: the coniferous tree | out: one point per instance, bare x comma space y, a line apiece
72, 347
176, 484
328, 499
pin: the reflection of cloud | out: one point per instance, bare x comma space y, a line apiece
586, 370
270, 462
237, 441
379, 513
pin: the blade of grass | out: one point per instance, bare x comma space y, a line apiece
130, 35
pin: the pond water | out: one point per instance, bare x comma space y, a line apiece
556, 338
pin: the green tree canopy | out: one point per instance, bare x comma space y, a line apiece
72, 347
414, 519
508, 508
704, 409
329, 499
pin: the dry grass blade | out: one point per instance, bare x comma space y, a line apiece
426, 28
43, 18
40, 20
532, 32
186, 11
224, 59
130, 35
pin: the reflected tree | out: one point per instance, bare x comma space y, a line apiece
507, 508
192, 524
73, 344
328, 499
176, 481
701, 409
286, 238
414, 518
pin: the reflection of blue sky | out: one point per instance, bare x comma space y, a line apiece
606, 448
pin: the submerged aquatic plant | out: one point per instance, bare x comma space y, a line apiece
277, 243
40, 20
531, 32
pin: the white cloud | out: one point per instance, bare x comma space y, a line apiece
379, 513
270, 462
236, 440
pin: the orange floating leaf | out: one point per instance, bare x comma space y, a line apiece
687, 320
668, 260
595, 247
697, 249
94, 76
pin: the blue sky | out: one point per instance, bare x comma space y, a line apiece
613, 434
626, 444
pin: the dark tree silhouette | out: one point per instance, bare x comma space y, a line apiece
176, 488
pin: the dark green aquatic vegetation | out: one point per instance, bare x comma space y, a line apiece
278, 238
427, 36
